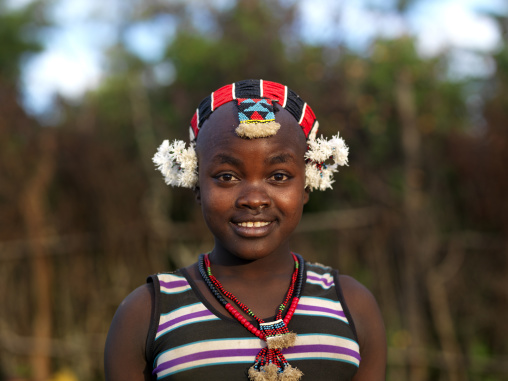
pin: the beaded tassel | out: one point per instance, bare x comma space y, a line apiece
270, 364
277, 334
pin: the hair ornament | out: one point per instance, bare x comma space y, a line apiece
318, 174
177, 163
257, 118
254, 99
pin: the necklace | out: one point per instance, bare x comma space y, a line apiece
270, 364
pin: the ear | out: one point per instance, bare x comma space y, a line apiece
306, 195
197, 194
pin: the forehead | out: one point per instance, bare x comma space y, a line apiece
218, 133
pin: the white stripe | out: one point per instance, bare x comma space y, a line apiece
170, 277
320, 302
323, 356
210, 345
198, 307
173, 278
313, 132
285, 96
261, 88
204, 362
212, 100
233, 91
204, 346
323, 280
174, 290
317, 339
225, 344
197, 117
191, 134
303, 113
322, 314
334, 305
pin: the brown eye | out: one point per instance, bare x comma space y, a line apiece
280, 177
226, 177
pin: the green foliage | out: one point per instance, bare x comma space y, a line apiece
18, 34
246, 46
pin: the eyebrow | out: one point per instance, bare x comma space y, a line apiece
223, 158
280, 159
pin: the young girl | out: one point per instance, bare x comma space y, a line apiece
250, 308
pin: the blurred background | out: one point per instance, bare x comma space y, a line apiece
418, 89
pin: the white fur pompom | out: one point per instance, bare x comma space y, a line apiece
323, 149
177, 164
340, 150
319, 178
318, 174
319, 150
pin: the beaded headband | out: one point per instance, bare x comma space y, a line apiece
257, 118
255, 99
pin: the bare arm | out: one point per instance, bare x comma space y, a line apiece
369, 328
124, 356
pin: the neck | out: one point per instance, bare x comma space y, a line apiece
226, 264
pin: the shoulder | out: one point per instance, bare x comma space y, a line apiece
369, 328
358, 297
124, 355
140, 297
136, 308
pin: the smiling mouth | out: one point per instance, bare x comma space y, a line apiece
253, 224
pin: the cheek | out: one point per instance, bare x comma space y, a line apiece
292, 202
214, 203
209, 202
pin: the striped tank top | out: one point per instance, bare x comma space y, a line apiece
190, 340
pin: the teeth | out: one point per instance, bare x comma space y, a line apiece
250, 224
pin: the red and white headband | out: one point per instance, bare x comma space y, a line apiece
254, 99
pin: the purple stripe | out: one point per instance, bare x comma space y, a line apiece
231, 353
218, 353
320, 309
323, 280
179, 319
311, 348
174, 284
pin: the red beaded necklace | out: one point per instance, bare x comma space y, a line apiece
270, 363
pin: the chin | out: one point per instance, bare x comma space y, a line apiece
249, 249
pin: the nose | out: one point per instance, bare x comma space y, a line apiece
253, 197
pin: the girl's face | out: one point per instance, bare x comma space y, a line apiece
251, 191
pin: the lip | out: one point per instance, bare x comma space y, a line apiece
259, 228
253, 224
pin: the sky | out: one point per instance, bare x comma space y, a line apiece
73, 59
